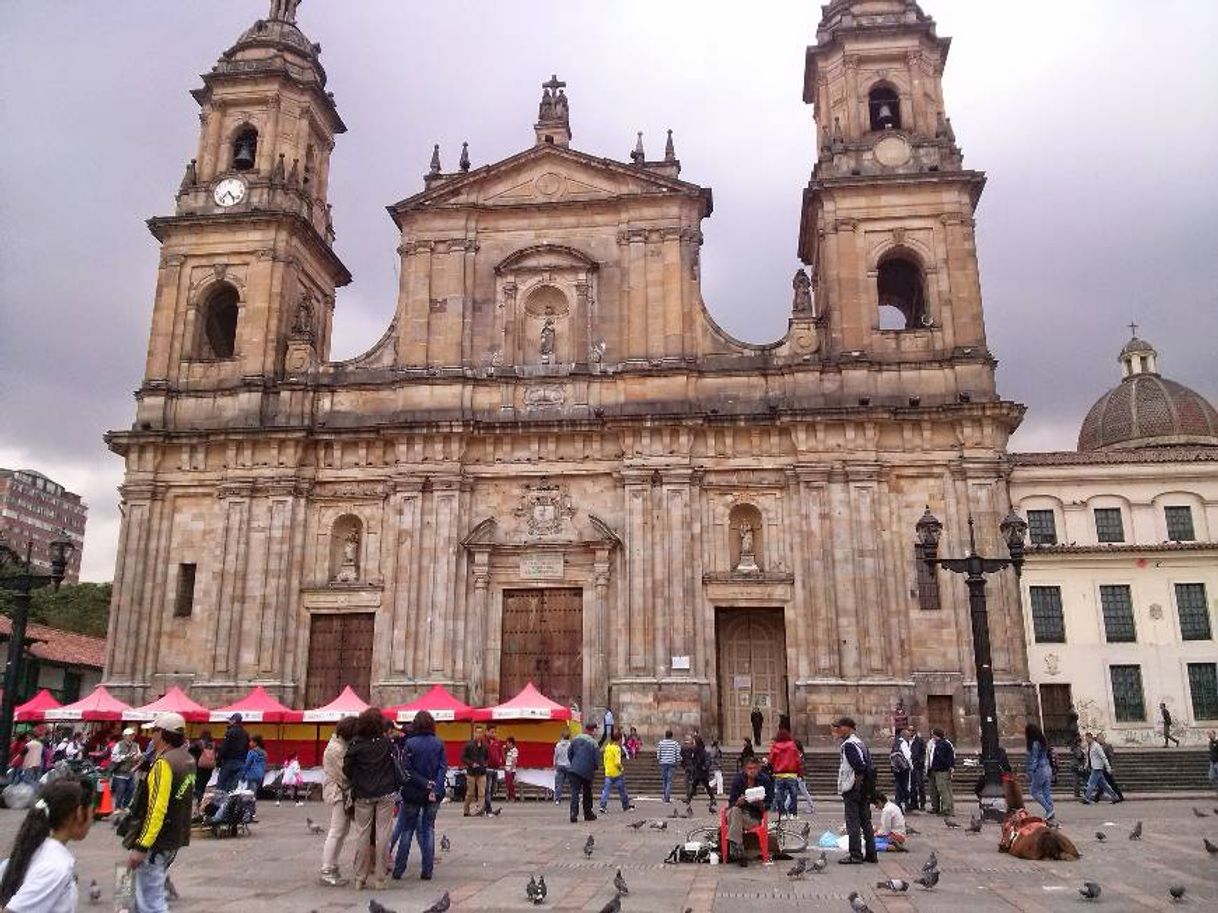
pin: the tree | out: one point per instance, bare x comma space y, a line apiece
82, 607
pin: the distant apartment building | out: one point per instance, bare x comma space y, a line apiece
34, 509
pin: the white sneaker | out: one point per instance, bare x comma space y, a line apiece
299, 804
278, 803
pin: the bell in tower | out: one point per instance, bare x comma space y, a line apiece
244, 149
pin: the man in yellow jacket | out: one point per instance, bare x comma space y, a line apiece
615, 777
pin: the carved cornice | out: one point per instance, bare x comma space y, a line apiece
349, 491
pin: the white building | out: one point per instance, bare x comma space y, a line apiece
1120, 589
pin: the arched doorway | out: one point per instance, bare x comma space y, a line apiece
752, 658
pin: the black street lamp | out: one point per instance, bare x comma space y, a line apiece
974, 567
22, 583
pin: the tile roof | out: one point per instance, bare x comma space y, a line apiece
1131, 455
55, 646
1120, 548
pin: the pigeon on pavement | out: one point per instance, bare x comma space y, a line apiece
1101, 836
614, 906
857, 904
1177, 892
1136, 833
1199, 813
798, 870
619, 883
932, 863
929, 879
1209, 847
95, 892
674, 813
441, 905
805, 830
659, 825
911, 830
819, 864
951, 822
588, 845
530, 891
374, 907
445, 846
893, 884
314, 828
635, 825
541, 888
1090, 890
974, 824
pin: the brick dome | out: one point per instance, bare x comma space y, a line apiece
1147, 410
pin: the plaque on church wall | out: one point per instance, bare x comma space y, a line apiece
680, 662
542, 566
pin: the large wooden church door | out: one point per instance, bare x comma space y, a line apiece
340, 654
752, 650
543, 642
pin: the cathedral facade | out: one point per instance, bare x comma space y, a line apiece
554, 465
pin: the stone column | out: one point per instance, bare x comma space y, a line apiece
441, 606
637, 627
233, 550
846, 609
402, 597
477, 634
130, 583
153, 603
597, 687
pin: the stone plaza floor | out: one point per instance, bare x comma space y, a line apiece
491, 859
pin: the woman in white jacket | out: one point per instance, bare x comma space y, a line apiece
336, 792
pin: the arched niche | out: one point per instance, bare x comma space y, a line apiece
746, 539
217, 325
346, 549
901, 291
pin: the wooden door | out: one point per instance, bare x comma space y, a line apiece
543, 642
940, 715
752, 654
340, 654
1055, 713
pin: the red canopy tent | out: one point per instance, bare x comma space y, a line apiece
438, 702
257, 707
99, 705
173, 701
535, 721
32, 710
348, 703
529, 704
261, 713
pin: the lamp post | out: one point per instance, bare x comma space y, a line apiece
975, 568
22, 583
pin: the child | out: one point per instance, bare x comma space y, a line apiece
291, 777
892, 823
40, 873
254, 771
510, 758
633, 743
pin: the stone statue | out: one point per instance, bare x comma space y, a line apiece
596, 353
748, 560
348, 569
302, 322
545, 110
284, 10
547, 341
802, 301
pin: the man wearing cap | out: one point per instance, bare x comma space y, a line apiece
162, 807
232, 753
124, 759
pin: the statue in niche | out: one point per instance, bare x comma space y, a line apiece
348, 569
547, 341
802, 301
302, 322
748, 560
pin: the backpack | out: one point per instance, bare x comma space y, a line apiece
207, 758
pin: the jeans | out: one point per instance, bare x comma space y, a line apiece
1214, 774
340, 824
420, 820
803, 793
859, 831
560, 780
230, 773
1096, 787
492, 780
581, 789
786, 795
1039, 784
917, 787
612, 783
900, 779
1113, 785
122, 789
149, 881
666, 780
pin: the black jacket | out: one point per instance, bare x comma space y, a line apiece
739, 786
371, 768
473, 757
235, 745
917, 752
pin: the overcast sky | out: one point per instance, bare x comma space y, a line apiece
1092, 119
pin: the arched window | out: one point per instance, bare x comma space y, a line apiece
219, 338
245, 149
902, 295
885, 107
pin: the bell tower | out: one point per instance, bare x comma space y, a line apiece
246, 282
887, 224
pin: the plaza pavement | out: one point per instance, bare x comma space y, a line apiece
275, 869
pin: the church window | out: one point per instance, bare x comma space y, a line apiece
902, 297
1179, 523
1128, 704
1108, 525
1116, 603
245, 149
1203, 689
1048, 625
220, 323
184, 600
928, 583
884, 106
1043, 527
1194, 611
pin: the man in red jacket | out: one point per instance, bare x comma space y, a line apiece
784, 765
495, 756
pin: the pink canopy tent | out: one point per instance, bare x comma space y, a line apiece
438, 702
173, 701
348, 703
529, 704
257, 707
99, 705
32, 710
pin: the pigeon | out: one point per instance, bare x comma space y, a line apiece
689, 811
634, 826
1101, 836
951, 822
614, 906
659, 825
95, 892
374, 907
711, 808
541, 889
591, 842
674, 813
974, 824
818, 865
1209, 847
532, 892
619, 883
893, 884
1199, 813
1177, 892
440, 906
1090, 890
931, 864
314, 828
911, 830
445, 846
857, 904
1136, 833
805, 830
929, 879
798, 870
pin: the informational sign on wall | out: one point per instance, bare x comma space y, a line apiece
542, 566
680, 662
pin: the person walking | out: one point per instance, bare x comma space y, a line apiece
900, 759
562, 749
698, 774
784, 768
254, 771
855, 784
756, 718
290, 778
1080, 766
581, 768
1110, 770
39, 875
802, 780
615, 776
425, 770
31, 765
511, 755
336, 793
1165, 716
917, 772
372, 771
473, 759
231, 756
608, 733
1213, 748
940, 762
746, 751
714, 755
1097, 785
124, 759
668, 752
495, 751
163, 805
1039, 768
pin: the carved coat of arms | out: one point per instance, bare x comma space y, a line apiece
543, 508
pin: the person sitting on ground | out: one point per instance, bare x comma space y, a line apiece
892, 823
743, 814
40, 872
633, 743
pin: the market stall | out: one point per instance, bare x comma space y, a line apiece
280, 726
451, 715
172, 701
33, 710
97, 706
535, 721
348, 703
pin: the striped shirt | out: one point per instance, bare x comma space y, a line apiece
668, 751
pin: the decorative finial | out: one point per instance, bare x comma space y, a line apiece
278, 172
670, 151
284, 11
294, 174
837, 131
1133, 329
435, 159
464, 162
638, 156
191, 177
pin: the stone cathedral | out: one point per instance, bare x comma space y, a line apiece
554, 465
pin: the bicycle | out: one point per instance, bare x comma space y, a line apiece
782, 831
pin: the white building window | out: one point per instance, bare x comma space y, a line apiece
1128, 705
1117, 605
1043, 527
1048, 625
1179, 524
1108, 525
1203, 689
1194, 612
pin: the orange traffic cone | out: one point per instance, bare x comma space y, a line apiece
106, 806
